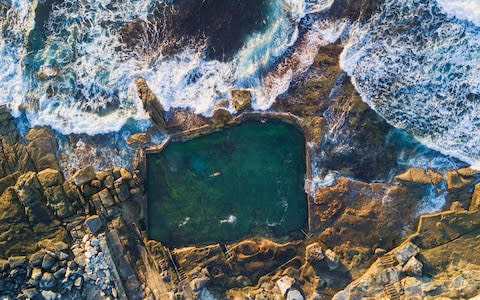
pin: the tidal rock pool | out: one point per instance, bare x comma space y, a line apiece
243, 181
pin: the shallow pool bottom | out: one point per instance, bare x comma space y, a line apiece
245, 180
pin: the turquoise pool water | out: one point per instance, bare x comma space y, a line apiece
244, 180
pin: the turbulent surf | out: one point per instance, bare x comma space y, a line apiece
416, 63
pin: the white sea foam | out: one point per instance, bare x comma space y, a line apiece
433, 201
462, 9
230, 220
94, 90
419, 70
15, 26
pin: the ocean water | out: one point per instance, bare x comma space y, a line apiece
89, 87
416, 62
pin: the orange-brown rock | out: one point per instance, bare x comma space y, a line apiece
140, 138
458, 179
151, 104
475, 203
241, 99
366, 215
421, 176
184, 120
221, 116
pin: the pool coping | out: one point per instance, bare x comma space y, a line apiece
142, 153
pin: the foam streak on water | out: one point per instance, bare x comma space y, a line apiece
94, 90
418, 67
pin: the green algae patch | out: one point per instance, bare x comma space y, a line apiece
245, 180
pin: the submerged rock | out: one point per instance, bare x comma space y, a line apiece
47, 72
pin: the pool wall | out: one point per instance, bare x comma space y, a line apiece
142, 153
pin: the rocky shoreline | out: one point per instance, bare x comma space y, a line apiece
80, 232
84, 236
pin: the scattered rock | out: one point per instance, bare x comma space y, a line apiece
84, 176
294, 294
94, 224
241, 98
405, 252
140, 138
150, 103
412, 288
37, 258
314, 253
333, 260
475, 203
81, 260
31, 293
419, 175
47, 72
48, 262
36, 274
413, 267
49, 295
109, 182
284, 284
201, 281
47, 281
78, 282
50, 177
17, 261
72, 265
60, 273
456, 180
125, 174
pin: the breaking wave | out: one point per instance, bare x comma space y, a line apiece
416, 64
71, 71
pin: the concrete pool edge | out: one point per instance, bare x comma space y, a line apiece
142, 153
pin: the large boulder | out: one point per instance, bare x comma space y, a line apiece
413, 267
405, 252
84, 176
94, 224
150, 103
457, 179
42, 148
421, 176
139, 138
241, 99
50, 177
284, 284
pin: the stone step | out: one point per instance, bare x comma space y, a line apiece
388, 261
391, 291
